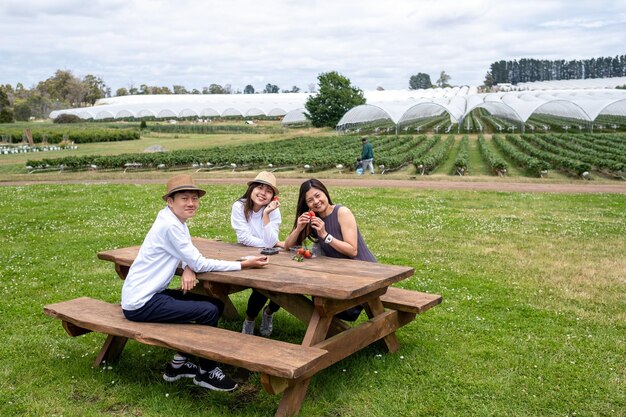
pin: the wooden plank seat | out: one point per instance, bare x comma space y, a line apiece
257, 354
408, 300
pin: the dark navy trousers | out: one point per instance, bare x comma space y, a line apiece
172, 306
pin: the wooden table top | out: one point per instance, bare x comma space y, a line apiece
321, 276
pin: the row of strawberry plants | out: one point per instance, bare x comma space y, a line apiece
533, 166
565, 147
573, 166
80, 135
418, 152
497, 165
461, 163
214, 128
317, 152
613, 142
427, 163
584, 141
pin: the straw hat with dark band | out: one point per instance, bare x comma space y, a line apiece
182, 182
267, 178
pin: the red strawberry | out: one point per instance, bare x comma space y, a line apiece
300, 251
307, 254
311, 214
276, 198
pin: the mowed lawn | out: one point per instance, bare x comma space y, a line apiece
533, 321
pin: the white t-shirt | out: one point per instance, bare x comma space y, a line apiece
253, 232
167, 244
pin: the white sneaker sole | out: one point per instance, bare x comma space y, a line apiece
211, 387
177, 377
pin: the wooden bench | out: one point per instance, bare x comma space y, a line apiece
409, 301
257, 354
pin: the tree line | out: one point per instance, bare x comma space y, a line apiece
530, 70
65, 90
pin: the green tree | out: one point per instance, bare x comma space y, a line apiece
95, 88
336, 96
6, 115
420, 81
64, 87
39, 105
443, 79
22, 111
271, 89
121, 92
248, 89
216, 89
488, 80
4, 98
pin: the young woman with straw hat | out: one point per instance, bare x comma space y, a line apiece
255, 217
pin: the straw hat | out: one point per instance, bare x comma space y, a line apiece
182, 182
267, 178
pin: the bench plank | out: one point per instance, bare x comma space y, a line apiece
408, 300
254, 353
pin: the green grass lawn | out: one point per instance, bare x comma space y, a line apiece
532, 322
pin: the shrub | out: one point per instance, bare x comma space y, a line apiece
6, 115
67, 118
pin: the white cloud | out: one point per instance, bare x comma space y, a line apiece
288, 43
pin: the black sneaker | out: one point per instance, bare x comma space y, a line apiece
215, 380
186, 370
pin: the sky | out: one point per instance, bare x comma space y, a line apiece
290, 42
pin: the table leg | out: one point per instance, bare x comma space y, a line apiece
292, 399
302, 308
221, 292
293, 396
374, 308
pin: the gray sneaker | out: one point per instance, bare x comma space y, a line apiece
266, 324
248, 327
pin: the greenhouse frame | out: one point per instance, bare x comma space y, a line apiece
392, 109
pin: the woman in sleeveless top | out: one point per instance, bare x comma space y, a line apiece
333, 228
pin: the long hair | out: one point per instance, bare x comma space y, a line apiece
302, 207
248, 204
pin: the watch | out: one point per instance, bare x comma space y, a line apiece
329, 238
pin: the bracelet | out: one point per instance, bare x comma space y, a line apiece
329, 238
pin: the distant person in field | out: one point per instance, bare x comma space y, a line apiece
146, 296
332, 227
255, 217
367, 155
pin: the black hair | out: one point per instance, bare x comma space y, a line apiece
248, 204
303, 207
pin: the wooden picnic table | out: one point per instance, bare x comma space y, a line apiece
313, 291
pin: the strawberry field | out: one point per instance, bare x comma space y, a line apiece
578, 155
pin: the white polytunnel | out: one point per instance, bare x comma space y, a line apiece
388, 107
295, 117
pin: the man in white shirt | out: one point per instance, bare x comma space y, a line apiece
146, 296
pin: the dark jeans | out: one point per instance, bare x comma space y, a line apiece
256, 303
172, 306
350, 314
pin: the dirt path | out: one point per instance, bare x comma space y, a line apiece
586, 187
